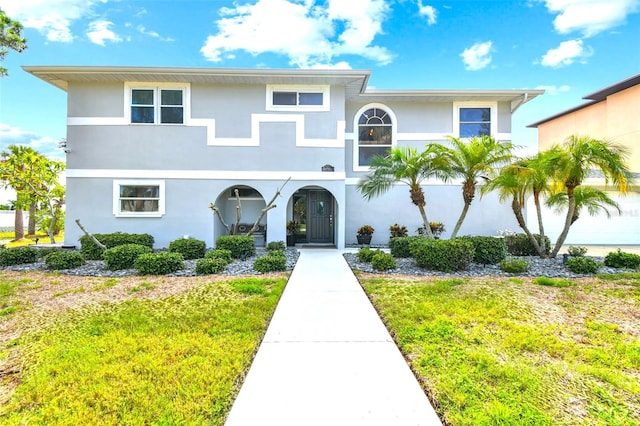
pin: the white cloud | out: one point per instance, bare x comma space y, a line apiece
477, 56
308, 34
566, 54
554, 90
429, 12
52, 18
590, 16
99, 32
45, 145
142, 30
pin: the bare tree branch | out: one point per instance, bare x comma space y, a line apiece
95, 240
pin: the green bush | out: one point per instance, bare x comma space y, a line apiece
514, 266
582, 265
577, 251
488, 250
64, 260
238, 245
400, 246
91, 251
211, 265
276, 246
365, 254
124, 256
223, 254
383, 261
270, 263
396, 230
520, 245
621, 259
443, 255
158, 263
189, 248
18, 256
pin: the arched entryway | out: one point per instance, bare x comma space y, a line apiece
313, 209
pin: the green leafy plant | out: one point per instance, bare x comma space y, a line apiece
400, 246
582, 265
190, 248
92, 251
514, 266
383, 261
238, 245
397, 231
366, 230
223, 254
292, 227
124, 256
442, 255
621, 259
159, 263
487, 250
18, 256
577, 251
520, 245
550, 282
270, 263
365, 254
276, 246
211, 265
64, 260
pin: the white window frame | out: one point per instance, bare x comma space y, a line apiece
157, 88
325, 89
138, 182
493, 106
356, 134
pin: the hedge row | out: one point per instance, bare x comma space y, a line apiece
92, 251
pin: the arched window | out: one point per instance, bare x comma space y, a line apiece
374, 135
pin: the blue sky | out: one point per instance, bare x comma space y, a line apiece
569, 47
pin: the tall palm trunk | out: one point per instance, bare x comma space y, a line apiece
517, 210
18, 225
571, 197
468, 193
536, 198
417, 198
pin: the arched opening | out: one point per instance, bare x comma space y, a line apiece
311, 217
251, 203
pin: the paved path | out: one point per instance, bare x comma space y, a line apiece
327, 359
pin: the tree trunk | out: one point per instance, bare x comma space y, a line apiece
18, 225
31, 227
517, 210
543, 250
465, 209
568, 221
425, 223
468, 193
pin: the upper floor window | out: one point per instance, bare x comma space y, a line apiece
303, 98
375, 135
475, 119
138, 198
163, 105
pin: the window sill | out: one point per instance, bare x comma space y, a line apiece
139, 215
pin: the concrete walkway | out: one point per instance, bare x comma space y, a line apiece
327, 358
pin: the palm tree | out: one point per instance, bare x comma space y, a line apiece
572, 162
476, 158
408, 166
594, 200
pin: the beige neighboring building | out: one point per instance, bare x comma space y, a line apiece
611, 113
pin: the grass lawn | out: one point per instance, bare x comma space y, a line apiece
519, 351
134, 350
42, 237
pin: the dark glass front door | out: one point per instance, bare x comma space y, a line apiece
319, 216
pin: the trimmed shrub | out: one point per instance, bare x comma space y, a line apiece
64, 260
92, 252
514, 266
211, 265
621, 259
238, 245
365, 254
124, 256
577, 251
383, 261
582, 265
17, 256
400, 246
443, 255
158, 263
223, 254
519, 245
270, 263
488, 250
396, 230
189, 248
276, 246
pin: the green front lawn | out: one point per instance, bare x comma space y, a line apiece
149, 358
42, 237
516, 352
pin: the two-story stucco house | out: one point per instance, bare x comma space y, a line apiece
148, 149
611, 113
